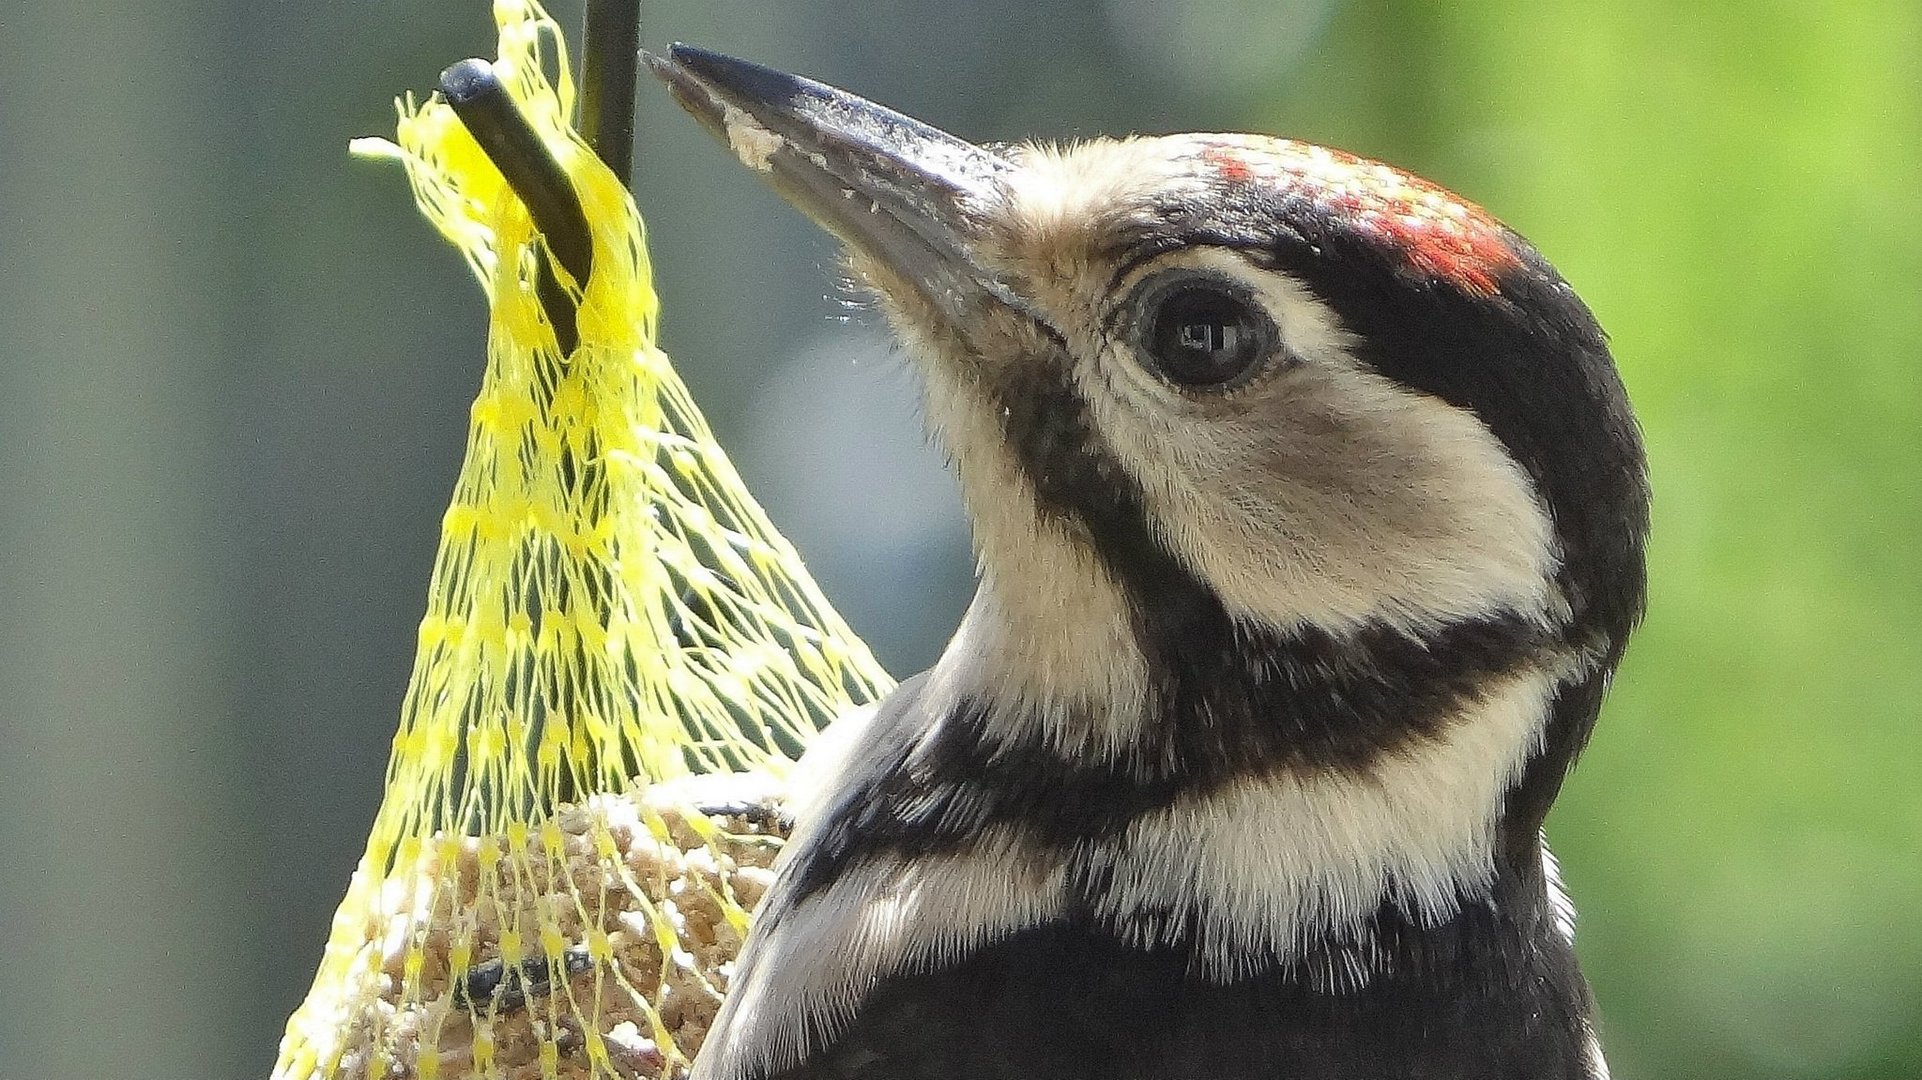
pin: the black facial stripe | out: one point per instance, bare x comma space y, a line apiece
1078, 484
1307, 701
1195, 651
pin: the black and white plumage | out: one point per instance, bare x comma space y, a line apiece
1310, 514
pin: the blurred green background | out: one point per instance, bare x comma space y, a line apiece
235, 367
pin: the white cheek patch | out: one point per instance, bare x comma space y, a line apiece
1272, 863
1326, 494
801, 978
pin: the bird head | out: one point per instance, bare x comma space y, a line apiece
1310, 514
1229, 412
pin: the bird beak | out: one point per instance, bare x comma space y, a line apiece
908, 196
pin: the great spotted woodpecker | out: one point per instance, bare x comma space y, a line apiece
1310, 514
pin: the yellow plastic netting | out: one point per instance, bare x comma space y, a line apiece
609, 610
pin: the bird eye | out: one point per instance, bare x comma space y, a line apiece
1203, 334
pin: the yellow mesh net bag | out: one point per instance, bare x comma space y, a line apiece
550, 888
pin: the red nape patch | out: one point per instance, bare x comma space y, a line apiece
1438, 233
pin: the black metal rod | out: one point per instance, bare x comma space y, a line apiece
610, 60
511, 143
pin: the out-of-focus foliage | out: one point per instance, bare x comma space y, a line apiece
234, 373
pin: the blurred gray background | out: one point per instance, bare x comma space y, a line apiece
235, 368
